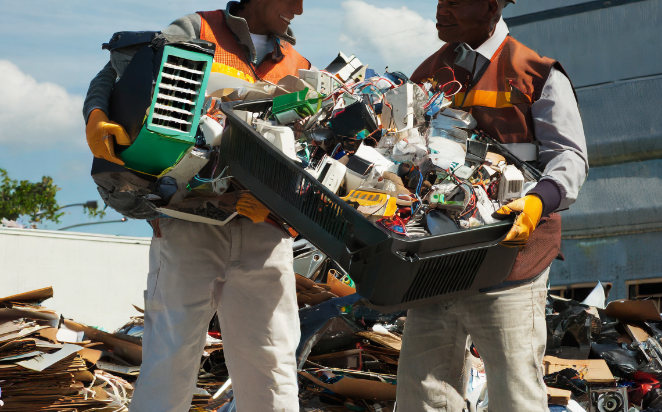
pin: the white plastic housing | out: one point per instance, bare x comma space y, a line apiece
511, 184
212, 130
330, 173
402, 100
322, 82
280, 136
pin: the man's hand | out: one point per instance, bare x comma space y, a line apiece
249, 206
311, 293
100, 132
529, 211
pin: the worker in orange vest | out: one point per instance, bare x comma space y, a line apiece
242, 270
522, 99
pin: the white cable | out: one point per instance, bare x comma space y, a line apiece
225, 386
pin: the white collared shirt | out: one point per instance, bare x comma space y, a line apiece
263, 46
492, 44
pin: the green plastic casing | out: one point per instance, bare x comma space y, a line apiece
296, 101
158, 148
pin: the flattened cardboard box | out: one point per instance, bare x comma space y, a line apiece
594, 370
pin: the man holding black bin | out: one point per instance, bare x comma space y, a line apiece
244, 269
517, 97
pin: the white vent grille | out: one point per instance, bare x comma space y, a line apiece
177, 94
515, 186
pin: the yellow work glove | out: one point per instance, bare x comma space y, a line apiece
528, 210
249, 206
102, 135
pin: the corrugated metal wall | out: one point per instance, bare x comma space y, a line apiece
612, 52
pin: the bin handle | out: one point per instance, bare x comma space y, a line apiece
415, 257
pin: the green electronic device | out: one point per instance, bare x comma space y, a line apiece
294, 106
171, 123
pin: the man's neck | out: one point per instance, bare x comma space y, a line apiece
253, 25
474, 44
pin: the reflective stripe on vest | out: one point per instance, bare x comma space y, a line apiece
501, 99
231, 71
483, 98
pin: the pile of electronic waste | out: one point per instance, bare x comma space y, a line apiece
394, 150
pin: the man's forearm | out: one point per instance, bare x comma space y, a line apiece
98, 95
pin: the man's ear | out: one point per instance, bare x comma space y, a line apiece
493, 6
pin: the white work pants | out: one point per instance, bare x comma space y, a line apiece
243, 270
508, 329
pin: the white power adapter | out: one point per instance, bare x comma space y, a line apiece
511, 184
280, 136
328, 171
322, 82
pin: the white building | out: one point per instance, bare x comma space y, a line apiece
96, 278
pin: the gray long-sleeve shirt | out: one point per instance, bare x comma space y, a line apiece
187, 27
561, 141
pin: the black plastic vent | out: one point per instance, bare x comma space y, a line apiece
288, 183
445, 274
178, 92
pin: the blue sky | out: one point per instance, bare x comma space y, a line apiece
51, 49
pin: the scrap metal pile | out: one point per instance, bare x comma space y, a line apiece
602, 360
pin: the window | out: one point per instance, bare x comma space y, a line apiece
579, 291
650, 289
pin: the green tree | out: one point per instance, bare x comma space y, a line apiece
36, 200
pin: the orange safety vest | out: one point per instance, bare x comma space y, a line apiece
229, 52
501, 104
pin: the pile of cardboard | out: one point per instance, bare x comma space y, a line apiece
348, 357
39, 370
348, 354
54, 364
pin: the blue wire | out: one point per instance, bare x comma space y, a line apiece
203, 180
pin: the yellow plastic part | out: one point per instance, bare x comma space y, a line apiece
365, 198
391, 207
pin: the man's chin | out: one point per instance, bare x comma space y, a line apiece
280, 29
447, 37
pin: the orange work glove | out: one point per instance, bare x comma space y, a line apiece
311, 293
249, 206
102, 135
528, 210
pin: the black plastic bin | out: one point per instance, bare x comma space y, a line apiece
391, 271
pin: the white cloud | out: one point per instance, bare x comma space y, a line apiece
37, 114
399, 37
